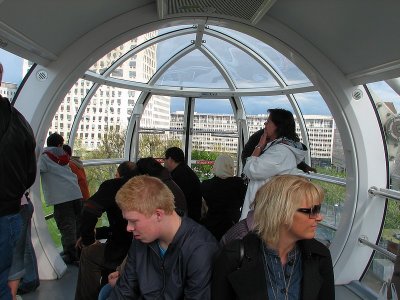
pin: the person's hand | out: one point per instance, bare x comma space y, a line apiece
112, 278
263, 140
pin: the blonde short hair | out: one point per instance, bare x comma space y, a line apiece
277, 201
145, 194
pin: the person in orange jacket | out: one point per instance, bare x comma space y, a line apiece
76, 166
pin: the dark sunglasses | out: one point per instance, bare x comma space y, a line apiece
312, 212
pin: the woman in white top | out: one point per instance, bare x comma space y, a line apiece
278, 152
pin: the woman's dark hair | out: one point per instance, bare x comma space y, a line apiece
149, 166
284, 121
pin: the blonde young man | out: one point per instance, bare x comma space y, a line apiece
170, 257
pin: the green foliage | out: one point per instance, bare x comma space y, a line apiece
203, 171
392, 219
153, 145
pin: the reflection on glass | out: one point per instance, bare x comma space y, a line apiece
387, 103
234, 60
193, 70
286, 69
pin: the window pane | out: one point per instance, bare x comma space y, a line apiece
193, 70
234, 60
286, 69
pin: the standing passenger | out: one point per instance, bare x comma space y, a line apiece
278, 152
61, 189
186, 179
281, 259
171, 257
76, 166
17, 174
224, 195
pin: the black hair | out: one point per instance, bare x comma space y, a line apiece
284, 121
127, 169
67, 149
149, 166
176, 154
54, 140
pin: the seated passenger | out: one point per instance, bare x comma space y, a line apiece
170, 257
186, 179
150, 166
98, 258
281, 259
224, 196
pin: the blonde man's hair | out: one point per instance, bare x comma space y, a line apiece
145, 194
277, 201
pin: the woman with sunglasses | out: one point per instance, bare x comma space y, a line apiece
280, 259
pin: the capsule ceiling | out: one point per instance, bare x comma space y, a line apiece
198, 56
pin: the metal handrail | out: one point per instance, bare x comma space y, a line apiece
326, 178
392, 194
379, 249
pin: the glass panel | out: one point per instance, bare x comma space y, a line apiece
387, 103
64, 117
160, 129
168, 48
213, 133
140, 67
381, 268
234, 60
107, 60
286, 69
14, 69
95, 176
193, 70
102, 129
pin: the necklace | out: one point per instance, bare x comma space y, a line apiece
274, 274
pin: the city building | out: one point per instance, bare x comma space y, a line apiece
8, 90
110, 108
218, 132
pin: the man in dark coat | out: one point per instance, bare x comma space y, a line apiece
186, 179
99, 258
18, 173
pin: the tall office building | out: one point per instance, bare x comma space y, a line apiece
110, 108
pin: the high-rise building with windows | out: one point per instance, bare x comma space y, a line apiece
110, 108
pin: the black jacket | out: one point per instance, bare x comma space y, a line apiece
248, 281
17, 158
189, 183
224, 198
118, 240
183, 273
